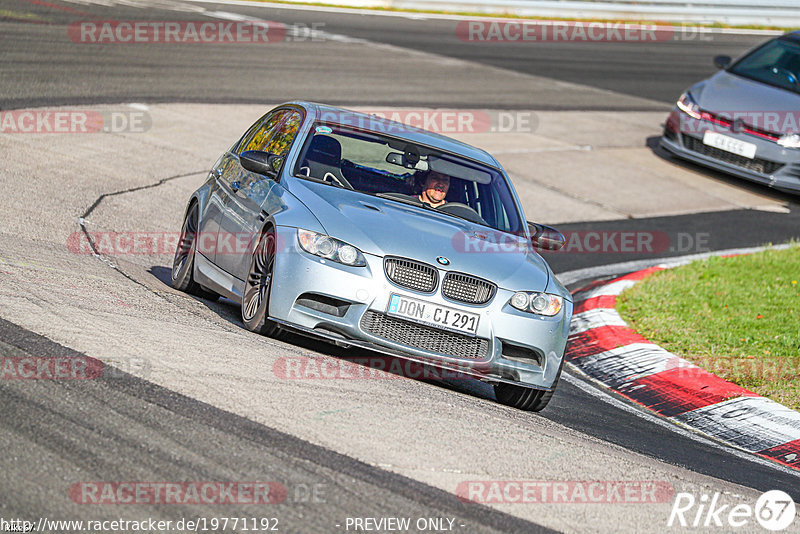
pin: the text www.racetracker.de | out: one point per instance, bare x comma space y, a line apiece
198, 524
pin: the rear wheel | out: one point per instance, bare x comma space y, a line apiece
255, 300
183, 263
532, 400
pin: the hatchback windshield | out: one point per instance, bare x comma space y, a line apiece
401, 171
777, 63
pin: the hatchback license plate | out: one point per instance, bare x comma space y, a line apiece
428, 313
729, 144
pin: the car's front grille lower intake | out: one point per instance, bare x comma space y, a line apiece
411, 274
466, 288
759, 165
423, 337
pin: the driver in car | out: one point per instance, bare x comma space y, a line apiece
434, 189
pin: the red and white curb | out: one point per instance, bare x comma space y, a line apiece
604, 348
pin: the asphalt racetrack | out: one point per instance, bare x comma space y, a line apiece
188, 395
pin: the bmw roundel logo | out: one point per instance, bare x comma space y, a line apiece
442, 260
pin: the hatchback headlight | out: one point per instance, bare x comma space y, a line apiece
687, 104
329, 248
538, 303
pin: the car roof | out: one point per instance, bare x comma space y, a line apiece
397, 129
794, 35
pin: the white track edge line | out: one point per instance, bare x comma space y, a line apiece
453, 16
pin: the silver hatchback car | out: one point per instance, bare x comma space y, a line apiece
369, 233
745, 120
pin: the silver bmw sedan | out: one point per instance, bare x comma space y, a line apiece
370, 233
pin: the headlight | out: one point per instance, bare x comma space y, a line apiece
687, 104
539, 303
790, 140
329, 248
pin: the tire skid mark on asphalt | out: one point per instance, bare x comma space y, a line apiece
605, 349
82, 221
160, 182
168, 296
136, 400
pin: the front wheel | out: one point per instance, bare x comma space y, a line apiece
532, 400
255, 300
183, 263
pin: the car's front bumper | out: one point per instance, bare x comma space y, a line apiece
774, 165
523, 348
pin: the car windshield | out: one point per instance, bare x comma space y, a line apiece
401, 171
776, 63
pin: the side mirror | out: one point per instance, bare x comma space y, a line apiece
261, 162
545, 237
722, 62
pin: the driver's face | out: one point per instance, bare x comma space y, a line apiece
436, 186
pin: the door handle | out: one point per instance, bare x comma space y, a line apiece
236, 186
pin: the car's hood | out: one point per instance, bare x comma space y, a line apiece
731, 94
388, 228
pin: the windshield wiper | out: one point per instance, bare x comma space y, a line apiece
320, 181
411, 201
405, 199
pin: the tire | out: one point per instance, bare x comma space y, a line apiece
528, 399
255, 299
183, 263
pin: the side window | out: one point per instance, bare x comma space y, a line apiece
238, 148
282, 140
258, 137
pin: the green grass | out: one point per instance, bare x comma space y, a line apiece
737, 317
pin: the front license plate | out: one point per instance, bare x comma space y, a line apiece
729, 144
432, 314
